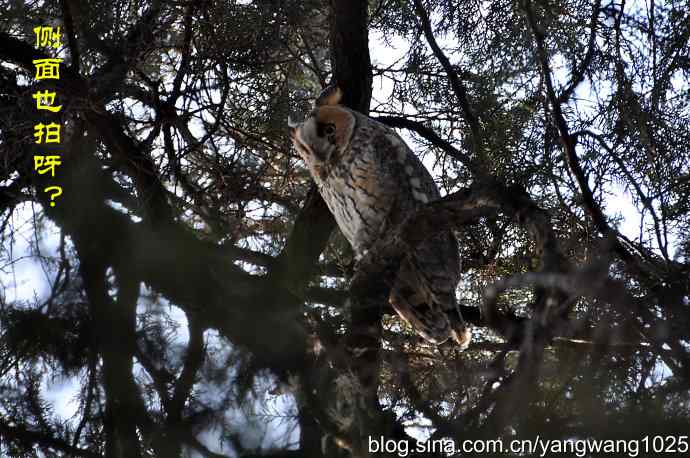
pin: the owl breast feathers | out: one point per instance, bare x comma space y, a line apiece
371, 181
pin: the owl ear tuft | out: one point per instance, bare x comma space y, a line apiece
331, 95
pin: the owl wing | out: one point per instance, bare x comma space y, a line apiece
394, 184
415, 305
424, 291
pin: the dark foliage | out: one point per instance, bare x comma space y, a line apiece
190, 285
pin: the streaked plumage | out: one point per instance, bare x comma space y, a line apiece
371, 180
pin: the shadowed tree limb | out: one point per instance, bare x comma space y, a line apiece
458, 86
569, 142
115, 324
578, 75
25, 435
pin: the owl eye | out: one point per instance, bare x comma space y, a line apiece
329, 129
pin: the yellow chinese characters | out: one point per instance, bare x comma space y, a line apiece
48, 36
51, 131
45, 164
47, 68
46, 101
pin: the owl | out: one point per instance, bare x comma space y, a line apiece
371, 181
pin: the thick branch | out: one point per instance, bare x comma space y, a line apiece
579, 74
433, 138
457, 85
569, 143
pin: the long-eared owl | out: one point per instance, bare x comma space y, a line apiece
371, 180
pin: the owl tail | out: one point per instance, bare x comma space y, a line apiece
430, 322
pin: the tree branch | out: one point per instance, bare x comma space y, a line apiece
455, 83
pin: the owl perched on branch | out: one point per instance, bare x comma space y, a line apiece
371, 181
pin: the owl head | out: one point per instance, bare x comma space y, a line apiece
326, 133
